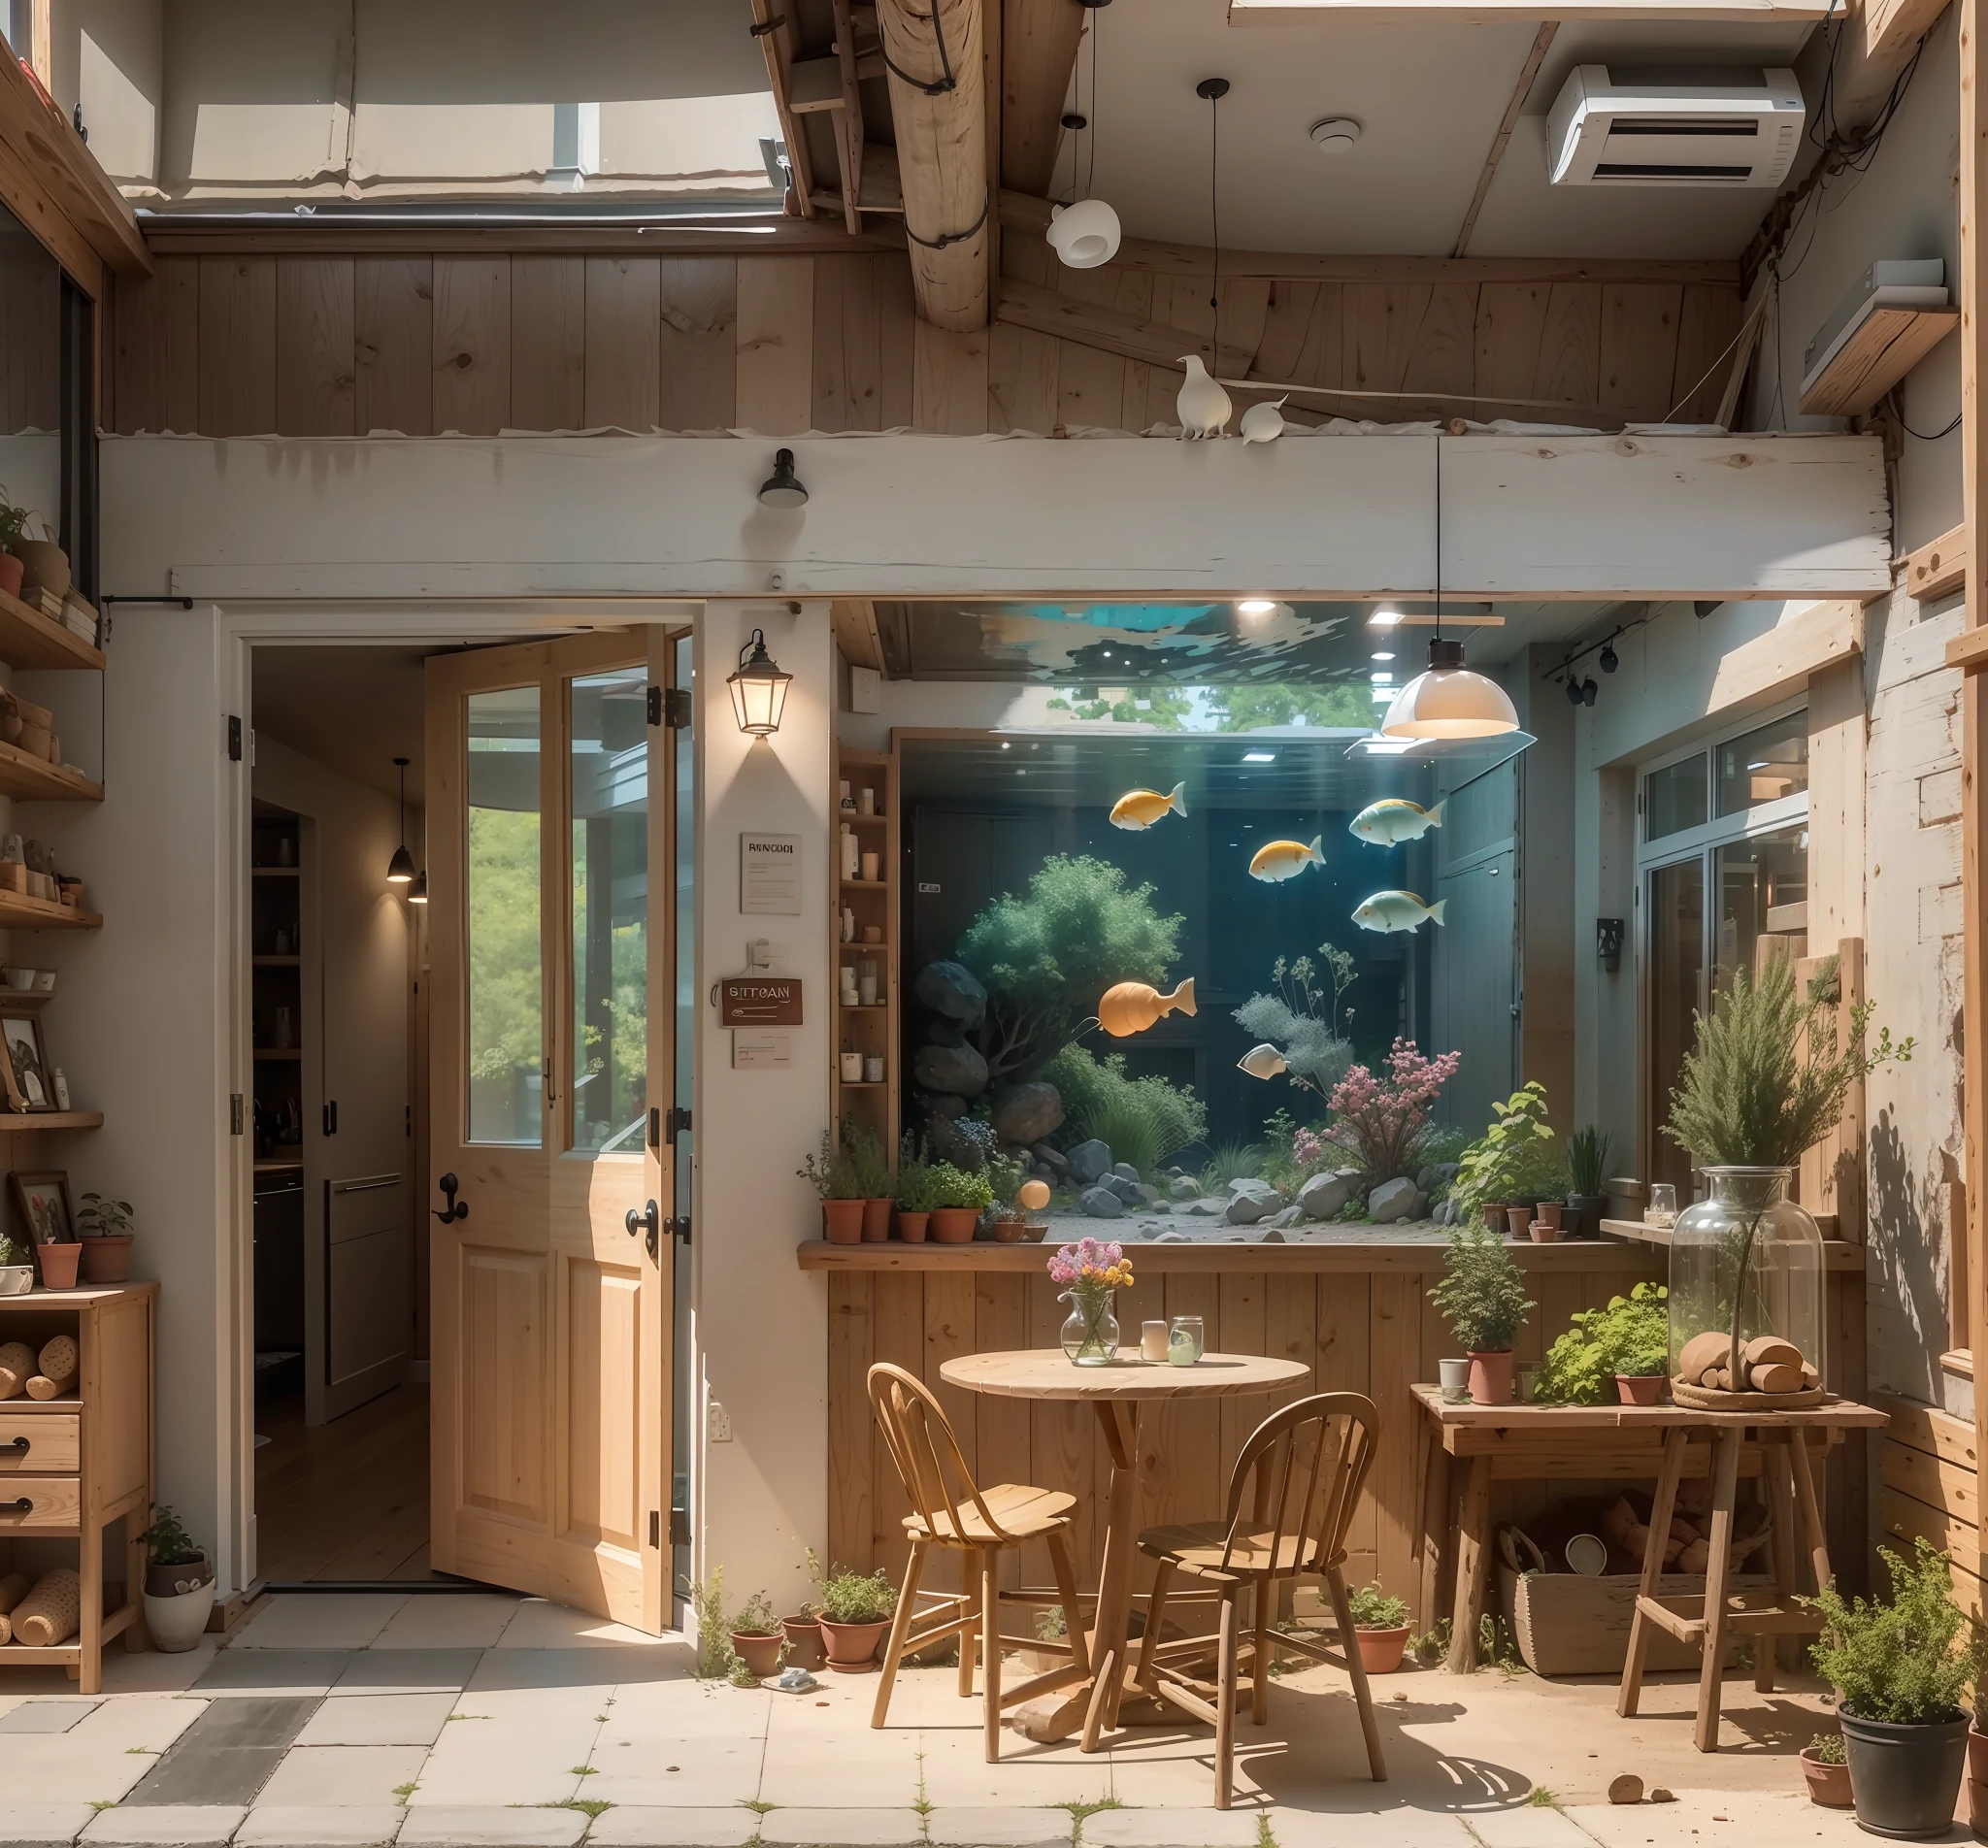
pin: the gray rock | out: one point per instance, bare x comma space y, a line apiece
1324, 1194
1026, 1112
1090, 1162
1148, 1196
1206, 1209
959, 1070
1250, 1201
1050, 1156
1170, 1237
1289, 1216
940, 1105
1435, 1175
1445, 1213
942, 1032
1273, 1235
1043, 1172
1101, 1202
1394, 1200
1185, 1187
1126, 1190
1125, 1170
953, 991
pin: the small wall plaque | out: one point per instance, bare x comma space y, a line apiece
762, 1051
770, 873
759, 1001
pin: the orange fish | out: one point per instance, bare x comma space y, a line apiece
1141, 808
1132, 1006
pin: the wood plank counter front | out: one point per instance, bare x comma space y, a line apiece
1352, 1312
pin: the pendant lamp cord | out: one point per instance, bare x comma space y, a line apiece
946, 80
1215, 216
1091, 136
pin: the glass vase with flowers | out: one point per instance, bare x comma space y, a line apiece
1091, 1269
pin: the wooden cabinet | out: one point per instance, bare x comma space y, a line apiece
866, 1030
74, 1468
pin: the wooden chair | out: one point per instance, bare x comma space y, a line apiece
1292, 1495
950, 1510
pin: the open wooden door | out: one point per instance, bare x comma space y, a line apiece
550, 817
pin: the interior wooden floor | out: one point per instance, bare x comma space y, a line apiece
347, 1500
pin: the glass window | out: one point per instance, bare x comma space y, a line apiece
1762, 886
609, 765
506, 1000
1674, 798
1677, 898
1765, 765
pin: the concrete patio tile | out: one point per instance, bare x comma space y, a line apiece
1756, 1818
328, 1777
378, 1719
690, 1772
479, 1825
639, 1826
997, 1827
843, 1828
41, 1824
689, 1710
380, 1670
484, 1762
44, 1716
1172, 1828
846, 1770
310, 1621
167, 1825
539, 1623
274, 1672
1029, 1775
597, 1665
470, 1621
153, 1671
152, 1722
1396, 1827
317, 1826
1530, 1825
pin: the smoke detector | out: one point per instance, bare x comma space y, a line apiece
1335, 134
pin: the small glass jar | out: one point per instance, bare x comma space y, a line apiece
1747, 1240
1185, 1340
1661, 1209
1090, 1336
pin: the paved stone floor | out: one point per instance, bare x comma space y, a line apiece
349, 1721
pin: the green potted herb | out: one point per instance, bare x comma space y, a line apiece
103, 1226
1493, 1173
1624, 1348
855, 1612
870, 1173
179, 1584
1482, 1296
1900, 1671
1381, 1627
1587, 1169
16, 1266
916, 1193
757, 1638
833, 1177
960, 1197
1827, 1769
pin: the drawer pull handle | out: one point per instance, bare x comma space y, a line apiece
25, 1505
18, 1446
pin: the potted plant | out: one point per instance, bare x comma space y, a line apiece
916, 1193
1827, 1769
1899, 1670
1381, 1627
1483, 1298
959, 1197
870, 1173
1492, 1173
1587, 1169
855, 1612
12, 523
179, 1584
105, 1229
833, 1175
16, 1266
1624, 1348
757, 1638
58, 1260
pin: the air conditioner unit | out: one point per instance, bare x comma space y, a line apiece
1674, 129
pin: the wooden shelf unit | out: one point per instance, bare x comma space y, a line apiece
30, 640
869, 1030
97, 1466
1890, 342
20, 913
35, 779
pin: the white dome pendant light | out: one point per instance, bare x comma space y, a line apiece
1086, 233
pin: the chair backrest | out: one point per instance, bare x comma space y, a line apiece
928, 1457
1297, 1482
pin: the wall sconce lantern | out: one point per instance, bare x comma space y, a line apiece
400, 870
759, 689
1609, 942
782, 487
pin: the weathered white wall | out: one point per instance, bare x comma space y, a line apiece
109, 55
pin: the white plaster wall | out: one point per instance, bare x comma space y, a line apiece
109, 55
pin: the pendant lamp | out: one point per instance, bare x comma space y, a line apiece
1448, 701
400, 870
1086, 233
759, 689
417, 893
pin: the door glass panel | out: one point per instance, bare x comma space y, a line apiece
1674, 798
1677, 895
1763, 900
685, 922
610, 763
506, 1000
1765, 765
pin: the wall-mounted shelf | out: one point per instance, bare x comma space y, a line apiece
35, 779
870, 1030
30, 640
20, 913
1890, 342
16, 1124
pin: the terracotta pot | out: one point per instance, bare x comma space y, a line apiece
1828, 1784
852, 1647
877, 1220
911, 1227
1519, 1218
11, 569
1543, 1233
58, 1265
1549, 1213
843, 1219
952, 1225
1640, 1389
43, 561
805, 1648
1491, 1378
1380, 1650
761, 1655
106, 1259
1977, 1808
1977, 1754
1494, 1219
1011, 1232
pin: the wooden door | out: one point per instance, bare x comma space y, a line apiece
550, 922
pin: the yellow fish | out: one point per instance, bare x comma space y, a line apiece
1284, 859
1141, 807
1132, 1006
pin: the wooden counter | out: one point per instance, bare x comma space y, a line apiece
1371, 1256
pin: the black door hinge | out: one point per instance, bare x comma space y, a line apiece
235, 1113
670, 706
678, 1124
679, 1120
677, 1227
234, 739
331, 1118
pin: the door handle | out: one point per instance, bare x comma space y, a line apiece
18, 1445
25, 1505
647, 1220
457, 1208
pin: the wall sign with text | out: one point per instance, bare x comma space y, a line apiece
770, 873
759, 1001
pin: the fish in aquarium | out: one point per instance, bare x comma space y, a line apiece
1278, 860
1261, 1062
1132, 1006
1396, 912
1393, 819
1141, 808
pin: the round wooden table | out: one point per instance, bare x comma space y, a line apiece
1089, 1702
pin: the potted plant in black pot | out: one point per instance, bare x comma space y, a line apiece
1588, 1169
1899, 1670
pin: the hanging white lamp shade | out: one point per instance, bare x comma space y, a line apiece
1450, 701
1083, 234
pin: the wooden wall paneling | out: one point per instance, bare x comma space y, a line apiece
472, 344
698, 381
1183, 1441
1511, 325
1396, 1326
897, 343
1382, 323
1242, 1328
394, 345
1090, 384
949, 381
315, 383
776, 343
1638, 349
156, 359
1569, 366
1061, 1437
1345, 1320
1000, 1426
848, 344
623, 342
237, 345
1022, 374
1707, 323
30, 331
550, 342
951, 1320
1442, 360
897, 1336
851, 1467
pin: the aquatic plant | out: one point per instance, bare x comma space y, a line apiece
1231, 1161
1376, 1117
1243, 708
1045, 959
1304, 1016
1148, 1114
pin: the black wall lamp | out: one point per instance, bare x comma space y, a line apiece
759, 689
782, 487
1609, 942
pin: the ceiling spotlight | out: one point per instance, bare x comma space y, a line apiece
1259, 757
782, 487
1381, 678
1588, 692
1448, 701
1573, 691
1335, 134
1704, 607
1609, 660
1073, 122
1256, 607
1384, 619
1382, 655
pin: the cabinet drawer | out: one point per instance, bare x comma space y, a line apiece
52, 1443
52, 1502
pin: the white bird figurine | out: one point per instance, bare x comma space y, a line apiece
1204, 405
1264, 422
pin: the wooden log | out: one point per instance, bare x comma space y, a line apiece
52, 1612
1777, 1378
940, 113
1769, 1350
55, 1367
16, 1363
1701, 1352
13, 1589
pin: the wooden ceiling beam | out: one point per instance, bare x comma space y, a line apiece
773, 30
1150, 343
1520, 90
764, 237
44, 140
1039, 46
1878, 40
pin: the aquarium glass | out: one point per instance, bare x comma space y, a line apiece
1765, 766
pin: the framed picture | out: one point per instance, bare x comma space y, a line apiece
29, 1079
41, 1203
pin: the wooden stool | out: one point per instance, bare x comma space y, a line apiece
1708, 1621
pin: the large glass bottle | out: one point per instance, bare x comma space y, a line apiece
1747, 1242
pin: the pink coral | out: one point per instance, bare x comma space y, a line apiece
1376, 1118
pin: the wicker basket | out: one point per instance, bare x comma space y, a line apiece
1713, 1398
1567, 1623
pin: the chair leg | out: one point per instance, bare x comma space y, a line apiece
970, 1607
900, 1628
1225, 1702
1155, 1610
1259, 1693
1065, 1569
1362, 1695
990, 1645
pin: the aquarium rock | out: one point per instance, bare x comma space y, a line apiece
955, 991
1324, 1194
1171, 1238
1395, 1200
1289, 1217
1050, 1156
1445, 1213
942, 1032
941, 1103
1126, 1190
1250, 1201
1184, 1187
1207, 1209
959, 1070
1090, 1162
1026, 1112
1101, 1202
1273, 1235
1436, 1174
1148, 1196
1125, 1170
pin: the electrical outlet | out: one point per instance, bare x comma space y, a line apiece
717, 1422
